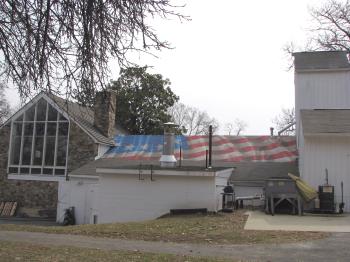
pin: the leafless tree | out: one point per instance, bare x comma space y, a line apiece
237, 127
285, 120
4, 105
65, 46
332, 26
192, 120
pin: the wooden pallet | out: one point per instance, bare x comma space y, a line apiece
8, 209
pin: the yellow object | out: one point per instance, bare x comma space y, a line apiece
306, 191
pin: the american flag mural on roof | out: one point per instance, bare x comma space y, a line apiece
225, 148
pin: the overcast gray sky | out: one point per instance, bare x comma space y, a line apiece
229, 59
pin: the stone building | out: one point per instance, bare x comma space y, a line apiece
45, 140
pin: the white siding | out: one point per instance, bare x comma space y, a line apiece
319, 90
79, 193
126, 198
332, 153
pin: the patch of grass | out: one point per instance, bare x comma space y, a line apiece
13, 251
212, 229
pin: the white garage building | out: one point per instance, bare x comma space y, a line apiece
136, 193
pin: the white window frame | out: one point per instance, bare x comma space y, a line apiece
41, 176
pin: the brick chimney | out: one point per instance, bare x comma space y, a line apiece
105, 106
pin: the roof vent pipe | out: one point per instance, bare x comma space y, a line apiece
271, 131
168, 159
210, 144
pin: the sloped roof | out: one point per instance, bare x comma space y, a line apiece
325, 121
225, 148
83, 116
321, 60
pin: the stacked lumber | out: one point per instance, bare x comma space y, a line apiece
7, 209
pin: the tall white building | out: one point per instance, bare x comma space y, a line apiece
322, 106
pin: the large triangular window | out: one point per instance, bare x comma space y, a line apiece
39, 141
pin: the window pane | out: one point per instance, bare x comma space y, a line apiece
16, 148
36, 171
26, 152
52, 114
40, 129
28, 129
17, 129
50, 151
24, 170
61, 151
59, 172
30, 113
51, 129
38, 151
47, 171
13, 170
63, 129
62, 118
20, 118
41, 110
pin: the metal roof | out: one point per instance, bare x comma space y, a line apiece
225, 148
321, 60
325, 121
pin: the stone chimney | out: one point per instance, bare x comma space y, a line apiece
105, 106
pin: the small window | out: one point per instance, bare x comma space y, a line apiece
36, 171
26, 150
63, 129
40, 129
41, 110
30, 113
62, 118
52, 114
59, 172
13, 170
50, 151
24, 170
47, 171
38, 151
28, 129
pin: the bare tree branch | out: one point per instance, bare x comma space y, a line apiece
4, 105
332, 26
192, 120
284, 119
236, 128
65, 46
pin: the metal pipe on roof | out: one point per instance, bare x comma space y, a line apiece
210, 144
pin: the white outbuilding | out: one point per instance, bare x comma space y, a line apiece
137, 193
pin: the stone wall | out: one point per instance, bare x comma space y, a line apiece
31, 194
42, 194
82, 148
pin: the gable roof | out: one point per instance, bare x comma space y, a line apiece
81, 115
325, 121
